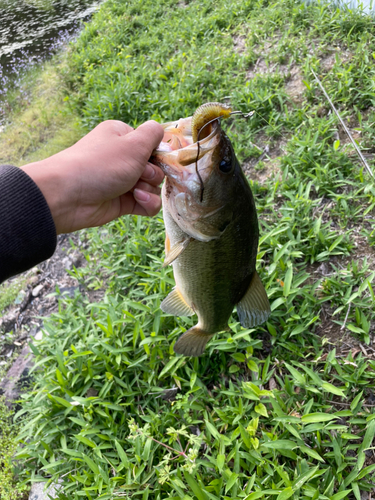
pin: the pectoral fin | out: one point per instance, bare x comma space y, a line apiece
175, 304
175, 251
254, 307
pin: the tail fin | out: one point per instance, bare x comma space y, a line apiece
192, 342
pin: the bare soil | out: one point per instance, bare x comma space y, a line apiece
22, 321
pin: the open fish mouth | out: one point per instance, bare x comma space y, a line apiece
178, 154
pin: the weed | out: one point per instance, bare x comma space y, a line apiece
44, 127
8, 445
9, 292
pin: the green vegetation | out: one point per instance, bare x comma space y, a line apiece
40, 124
281, 411
8, 444
9, 292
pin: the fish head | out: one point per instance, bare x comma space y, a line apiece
201, 178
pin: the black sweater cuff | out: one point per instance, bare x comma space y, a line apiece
27, 230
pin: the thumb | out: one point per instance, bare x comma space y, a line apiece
143, 141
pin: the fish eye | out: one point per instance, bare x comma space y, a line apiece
225, 166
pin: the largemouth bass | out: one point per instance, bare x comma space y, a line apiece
211, 229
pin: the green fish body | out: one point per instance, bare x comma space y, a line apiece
211, 233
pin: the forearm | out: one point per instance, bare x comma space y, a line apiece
27, 230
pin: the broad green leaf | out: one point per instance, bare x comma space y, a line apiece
298, 377
123, 457
231, 482
281, 444
61, 401
212, 429
317, 417
85, 440
333, 389
345, 435
168, 366
91, 464
252, 365
340, 495
195, 487
303, 478
285, 494
220, 460
356, 491
261, 409
365, 471
288, 281
311, 453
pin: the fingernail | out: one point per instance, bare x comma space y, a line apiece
140, 195
148, 173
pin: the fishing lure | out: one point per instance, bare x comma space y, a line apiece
204, 116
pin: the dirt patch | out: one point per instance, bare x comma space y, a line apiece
267, 164
336, 335
41, 281
239, 44
328, 61
262, 67
23, 321
269, 169
294, 86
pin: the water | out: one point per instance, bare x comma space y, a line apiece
365, 6
32, 31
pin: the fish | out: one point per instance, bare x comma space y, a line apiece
211, 229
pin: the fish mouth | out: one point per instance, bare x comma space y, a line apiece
179, 156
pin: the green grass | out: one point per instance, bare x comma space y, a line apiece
279, 411
9, 490
40, 126
9, 292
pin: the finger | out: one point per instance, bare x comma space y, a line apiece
153, 130
149, 201
149, 188
130, 204
141, 142
152, 174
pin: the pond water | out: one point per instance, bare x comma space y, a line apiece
30, 32
365, 6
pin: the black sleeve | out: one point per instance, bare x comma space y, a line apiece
27, 230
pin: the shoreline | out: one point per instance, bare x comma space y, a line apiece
44, 124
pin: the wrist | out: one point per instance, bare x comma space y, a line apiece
46, 176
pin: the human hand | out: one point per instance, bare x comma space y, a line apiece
103, 176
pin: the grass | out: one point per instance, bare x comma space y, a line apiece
9, 490
9, 292
281, 411
40, 126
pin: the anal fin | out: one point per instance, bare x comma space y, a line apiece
254, 307
175, 304
175, 251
